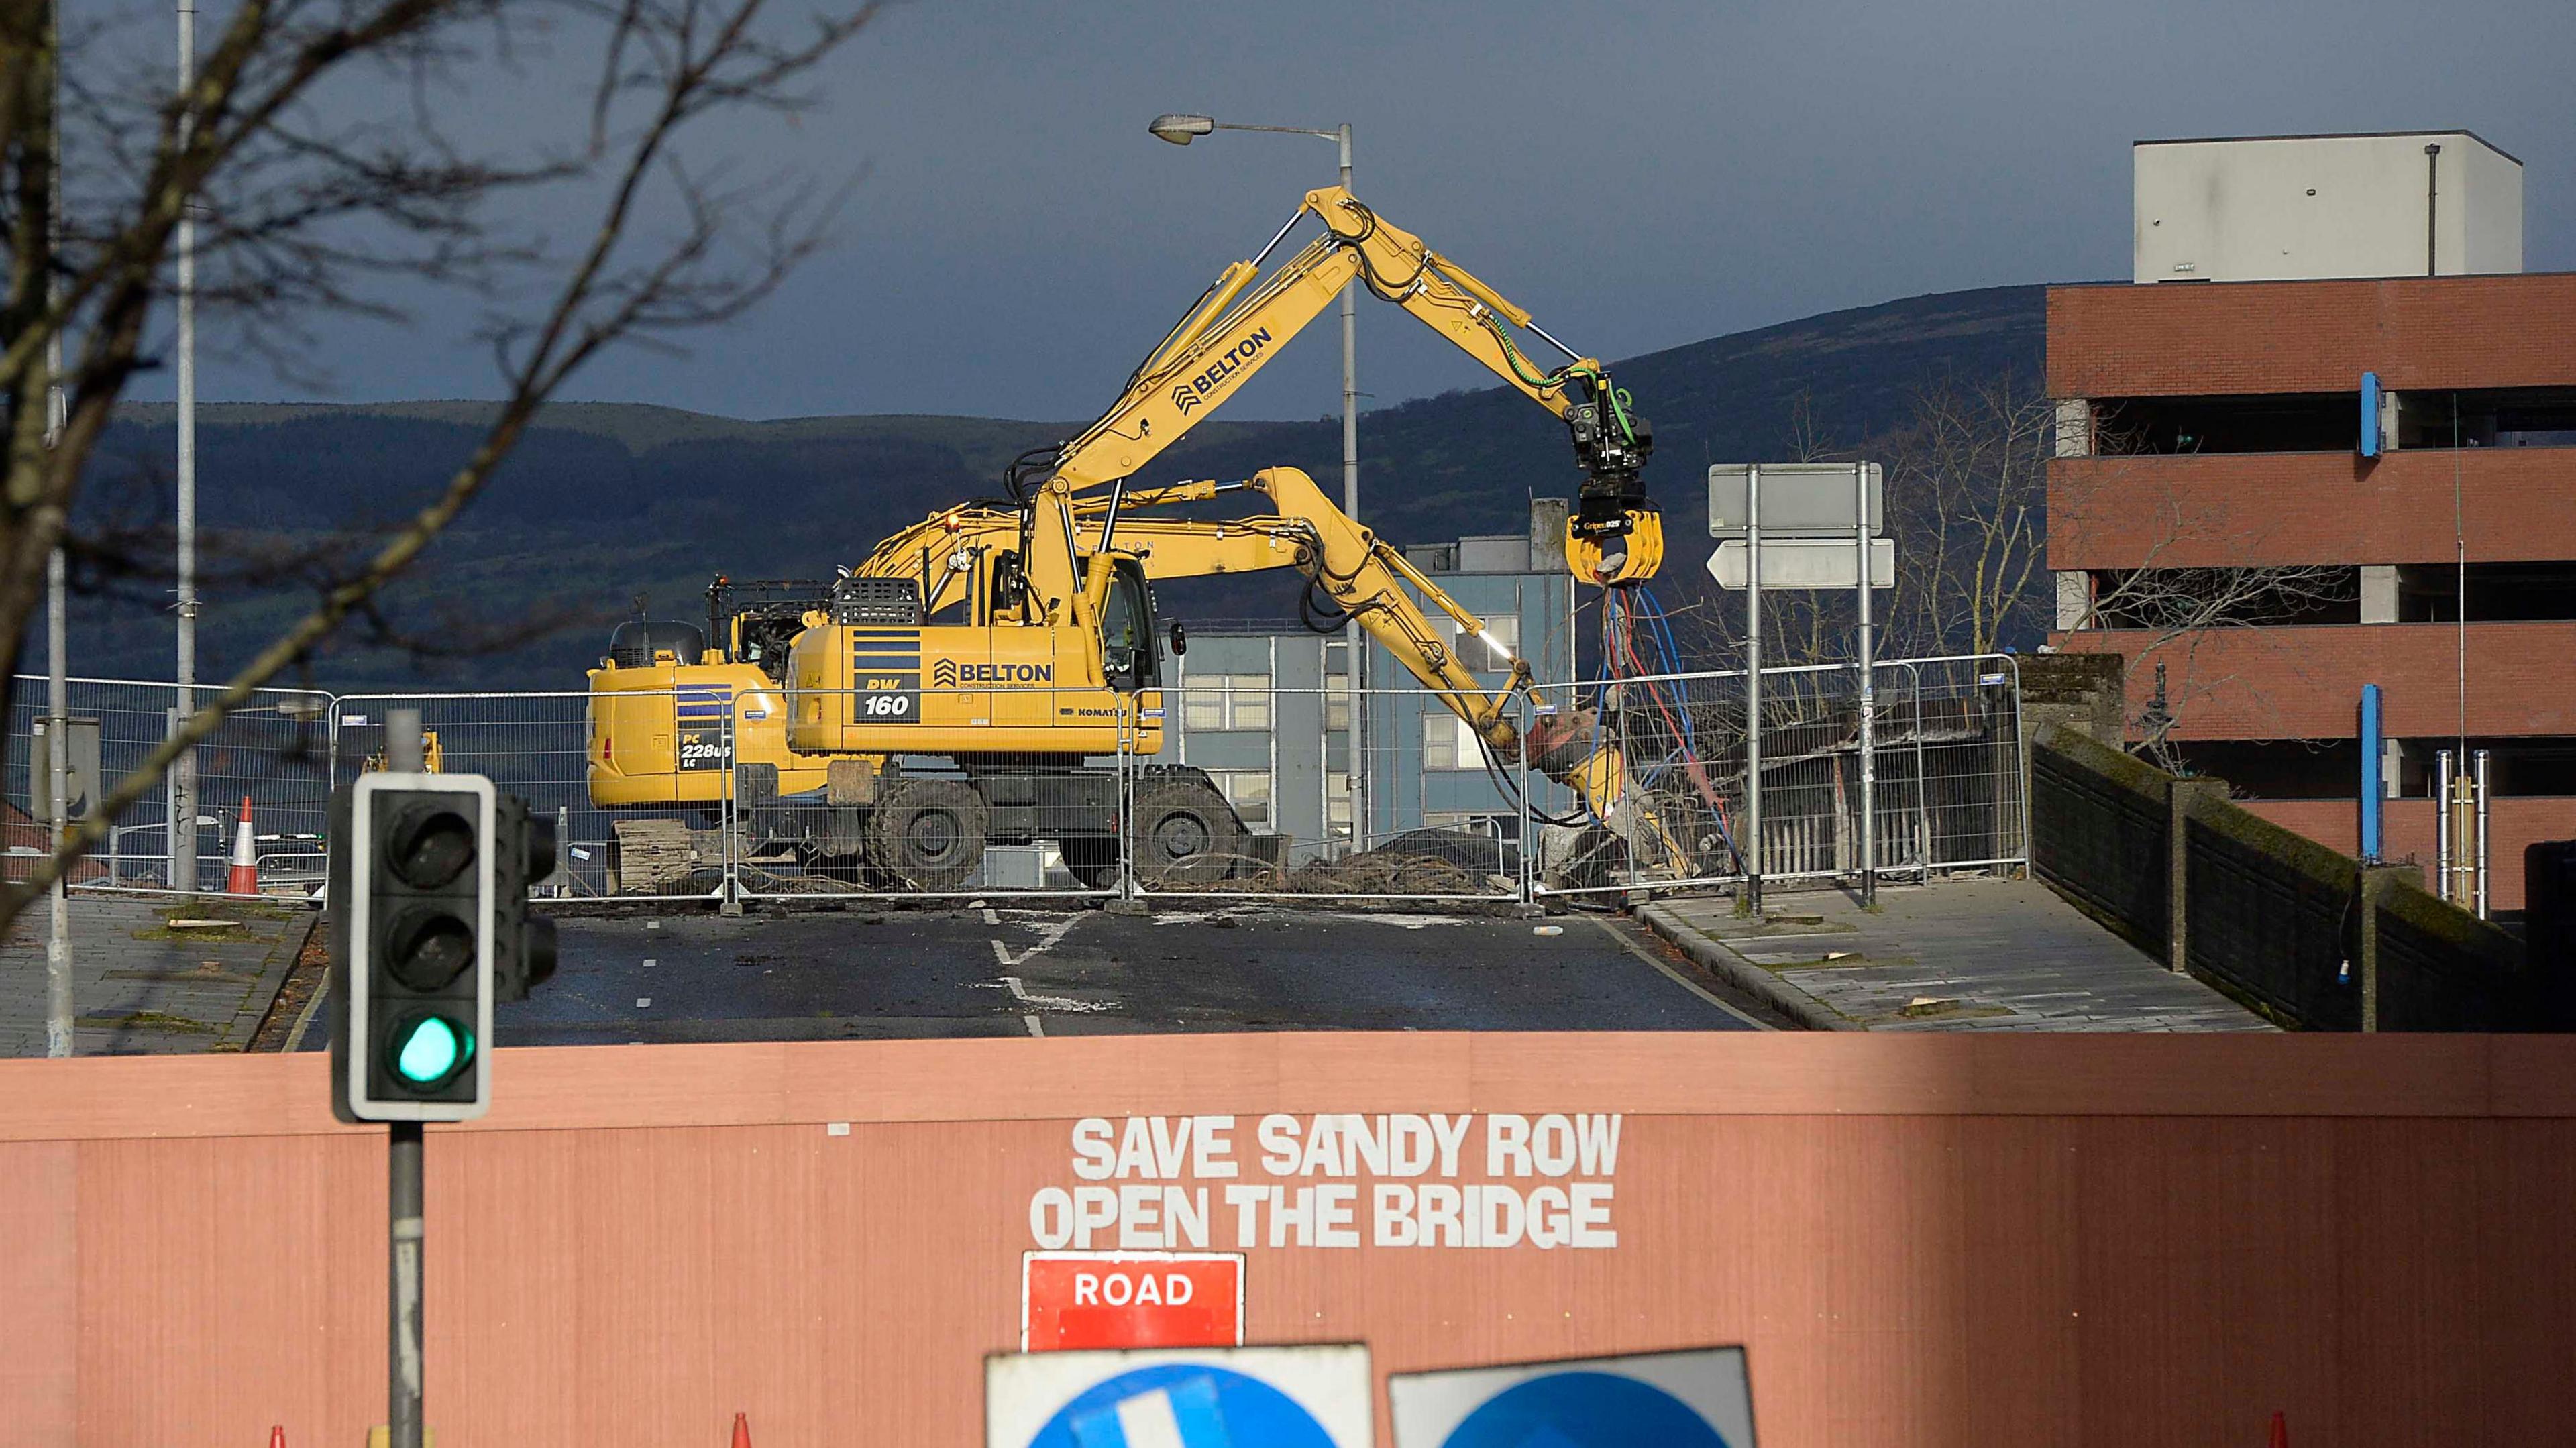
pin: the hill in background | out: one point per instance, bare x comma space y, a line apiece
604, 501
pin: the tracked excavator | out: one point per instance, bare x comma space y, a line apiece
1016, 638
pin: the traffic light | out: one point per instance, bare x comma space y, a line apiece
523, 946
412, 898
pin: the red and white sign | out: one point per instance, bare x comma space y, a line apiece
1130, 1299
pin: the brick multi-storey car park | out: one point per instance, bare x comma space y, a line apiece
2220, 424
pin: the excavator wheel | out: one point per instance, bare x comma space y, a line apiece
1093, 859
927, 834
1186, 834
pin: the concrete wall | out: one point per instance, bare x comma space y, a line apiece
2274, 208
1921, 1240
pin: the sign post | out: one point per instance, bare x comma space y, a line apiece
1868, 695
1812, 508
1752, 851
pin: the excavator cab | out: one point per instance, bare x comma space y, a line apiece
1129, 662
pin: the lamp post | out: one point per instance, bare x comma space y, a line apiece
1180, 130
183, 772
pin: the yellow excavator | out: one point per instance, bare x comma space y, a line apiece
1017, 638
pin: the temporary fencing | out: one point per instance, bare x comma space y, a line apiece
1224, 787
275, 751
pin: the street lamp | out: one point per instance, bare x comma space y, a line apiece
1180, 129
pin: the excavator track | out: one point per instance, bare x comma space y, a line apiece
656, 857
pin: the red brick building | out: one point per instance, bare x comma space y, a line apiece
2323, 463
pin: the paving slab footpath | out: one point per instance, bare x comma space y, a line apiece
142, 986
1953, 955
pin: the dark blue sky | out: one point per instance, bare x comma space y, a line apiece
1638, 174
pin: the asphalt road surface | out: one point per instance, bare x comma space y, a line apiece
1051, 972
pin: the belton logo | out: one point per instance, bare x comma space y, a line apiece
1130, 1300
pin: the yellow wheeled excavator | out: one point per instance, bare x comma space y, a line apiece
1017, 638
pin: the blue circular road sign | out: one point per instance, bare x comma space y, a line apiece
1584, 1410
1209, 1407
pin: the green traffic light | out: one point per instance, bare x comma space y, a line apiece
431, 1050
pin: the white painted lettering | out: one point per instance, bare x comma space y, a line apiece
1279, 1144
1093, 1209
1334, 1207
1500, 1216
1365, 1137
1324, 1149
1171, 1143
1179, 1288
1086, 1289
1301, 1216
1091, 1155
1409, 1145
1552, 1145
1140, 1217
1118, 1289
1598, 1137
1246, 1201
1136, 1149
1212, 1149
1051, 1218
1450, 1131
1592, 1215
1507, 1141
1443, 1224
1185, 1214
1392, 1209
1548, 1225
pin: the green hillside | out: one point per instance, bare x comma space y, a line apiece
605, 501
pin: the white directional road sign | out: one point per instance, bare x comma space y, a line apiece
1698, 1399
1804, 499
1245, 1397
1805, 562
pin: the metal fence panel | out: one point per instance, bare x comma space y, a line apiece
1251, 780
536, 746
274, 752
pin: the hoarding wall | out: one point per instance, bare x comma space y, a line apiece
1920, 1241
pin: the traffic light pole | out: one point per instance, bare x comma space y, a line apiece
402, 1329
403, 1161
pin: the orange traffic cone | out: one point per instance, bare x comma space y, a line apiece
244, 879
741, 1431
2280, 1430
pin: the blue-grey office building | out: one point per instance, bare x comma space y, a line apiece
1267, 711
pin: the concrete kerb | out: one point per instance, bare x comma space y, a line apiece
1744, 975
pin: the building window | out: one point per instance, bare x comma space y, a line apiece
1226, 701
1248, 790
1447, 743
1337, 686
1475, 652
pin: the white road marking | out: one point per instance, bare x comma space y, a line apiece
1035, 1029
1020, 992
1048, 934
991, 917
642, 1001
650, 962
